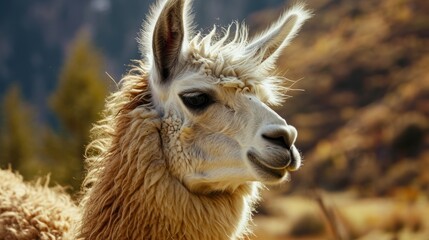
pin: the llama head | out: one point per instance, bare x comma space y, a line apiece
213, 94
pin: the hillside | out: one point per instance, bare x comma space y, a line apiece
363, 68
363, 122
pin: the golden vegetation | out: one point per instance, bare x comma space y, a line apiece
362, 119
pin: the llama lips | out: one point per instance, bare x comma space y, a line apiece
277, 173
277, 165
295, 162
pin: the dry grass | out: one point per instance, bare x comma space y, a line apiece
342, 216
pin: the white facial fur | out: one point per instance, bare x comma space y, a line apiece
208, 150
235, 138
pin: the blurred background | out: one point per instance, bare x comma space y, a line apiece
362, 116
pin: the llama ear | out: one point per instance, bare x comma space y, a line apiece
167, 38
270, 43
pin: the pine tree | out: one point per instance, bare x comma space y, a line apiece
17, 144
77, 102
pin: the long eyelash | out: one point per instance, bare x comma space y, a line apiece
192, 94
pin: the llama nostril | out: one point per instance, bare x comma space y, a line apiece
281, 136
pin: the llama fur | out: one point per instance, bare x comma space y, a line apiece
33, 210
143, 180
155, 204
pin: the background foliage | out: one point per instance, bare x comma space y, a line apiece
37, 149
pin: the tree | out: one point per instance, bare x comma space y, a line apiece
77, 102
18, 148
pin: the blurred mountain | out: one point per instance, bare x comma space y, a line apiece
363, 117
33, 40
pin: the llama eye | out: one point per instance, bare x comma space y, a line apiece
196, 101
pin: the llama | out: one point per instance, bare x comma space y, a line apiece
188, 139
34, 211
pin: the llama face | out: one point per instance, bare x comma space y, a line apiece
217, 128
217, 139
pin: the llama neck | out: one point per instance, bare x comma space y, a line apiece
136, 197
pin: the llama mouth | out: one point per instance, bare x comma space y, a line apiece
295, 159
280, 162
259, 164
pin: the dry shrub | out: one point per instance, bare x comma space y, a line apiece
308, 224
401, 174
406, 134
